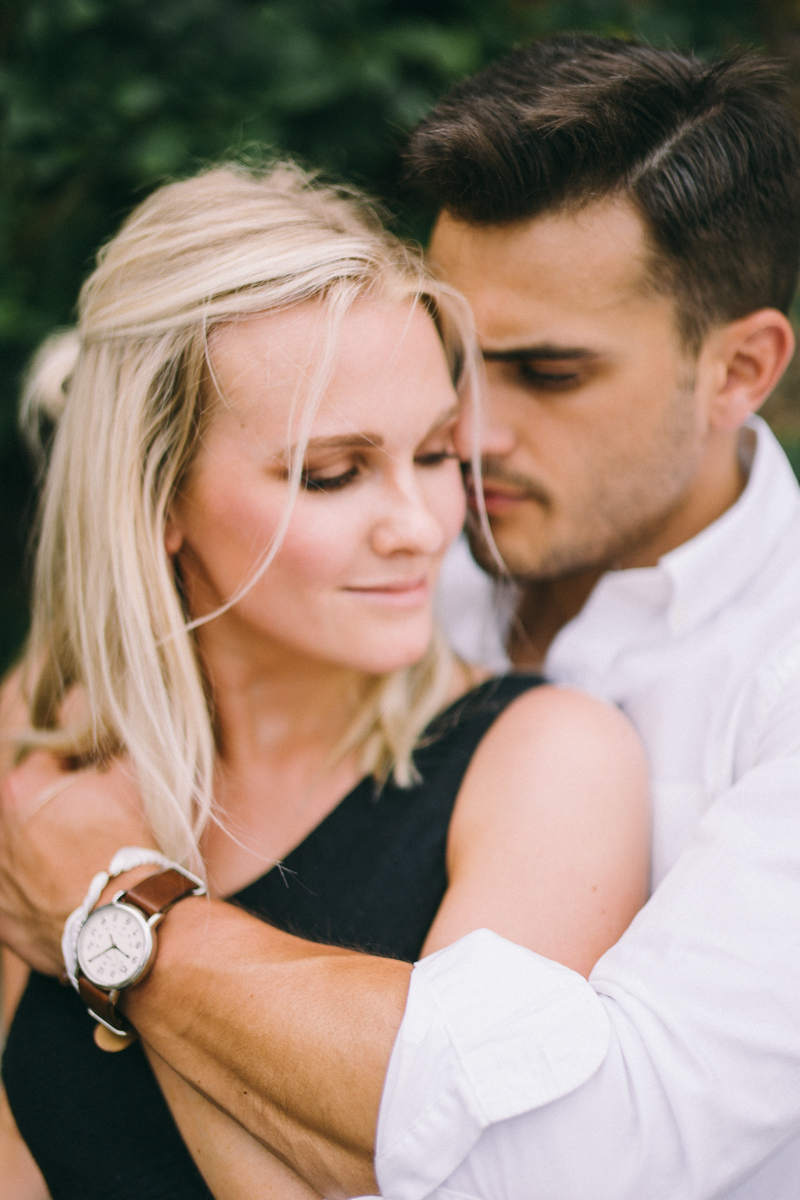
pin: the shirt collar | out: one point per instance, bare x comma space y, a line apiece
708, 571
695, 580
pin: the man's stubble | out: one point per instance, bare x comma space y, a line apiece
627, 496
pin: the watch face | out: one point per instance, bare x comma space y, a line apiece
114, 946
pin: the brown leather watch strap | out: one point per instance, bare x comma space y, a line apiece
157, 893
154, 896
103, 1004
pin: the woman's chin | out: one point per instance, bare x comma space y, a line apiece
384, 659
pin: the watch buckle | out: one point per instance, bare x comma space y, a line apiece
112, 999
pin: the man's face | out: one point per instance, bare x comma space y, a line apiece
594, 431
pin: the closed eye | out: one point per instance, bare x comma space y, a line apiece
553, 380
312, 482
435, 458
316, 481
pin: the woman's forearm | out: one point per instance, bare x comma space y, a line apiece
20, 1178
289, 1038
233, 1163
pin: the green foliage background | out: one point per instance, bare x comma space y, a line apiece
100, 100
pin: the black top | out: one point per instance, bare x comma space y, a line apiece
371, 875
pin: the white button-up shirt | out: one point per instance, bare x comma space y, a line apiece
675, 1071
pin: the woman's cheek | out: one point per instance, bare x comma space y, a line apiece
448, 500
322, 538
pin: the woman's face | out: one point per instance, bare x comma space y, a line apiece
352, 583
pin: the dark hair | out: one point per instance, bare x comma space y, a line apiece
707, 153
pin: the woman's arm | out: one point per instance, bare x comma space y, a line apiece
20, 1178
549, 842
233, 1163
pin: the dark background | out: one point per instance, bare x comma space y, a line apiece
100, 100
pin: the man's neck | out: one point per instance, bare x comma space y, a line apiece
545, 606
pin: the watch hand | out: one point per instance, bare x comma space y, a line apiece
114, 946
111, 946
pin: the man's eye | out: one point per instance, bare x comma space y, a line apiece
434, 458
554, 380
312, 481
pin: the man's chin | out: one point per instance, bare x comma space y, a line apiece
522, 566
486, 556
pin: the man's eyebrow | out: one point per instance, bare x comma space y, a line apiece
545, 352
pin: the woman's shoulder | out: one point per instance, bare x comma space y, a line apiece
481, 697
540, 721
13, 717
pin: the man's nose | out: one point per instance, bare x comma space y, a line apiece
483, 424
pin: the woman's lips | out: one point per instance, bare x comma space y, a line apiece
403, 593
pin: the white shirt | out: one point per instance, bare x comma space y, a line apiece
675, 1071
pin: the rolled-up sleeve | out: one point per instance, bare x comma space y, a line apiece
675, 1072
491, 1031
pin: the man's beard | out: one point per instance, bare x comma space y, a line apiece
625, 505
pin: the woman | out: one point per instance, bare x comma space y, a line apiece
252, 484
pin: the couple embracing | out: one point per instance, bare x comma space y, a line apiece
263, 427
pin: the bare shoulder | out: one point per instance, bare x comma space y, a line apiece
13, 707
549, 839
556, 721
13, 717
560, 752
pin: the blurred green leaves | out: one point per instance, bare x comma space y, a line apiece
102, 99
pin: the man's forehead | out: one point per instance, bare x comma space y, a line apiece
587, 263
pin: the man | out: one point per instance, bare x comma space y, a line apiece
626, 224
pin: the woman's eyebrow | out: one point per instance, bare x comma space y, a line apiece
345, 440
451, 413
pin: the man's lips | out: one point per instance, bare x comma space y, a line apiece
498, 500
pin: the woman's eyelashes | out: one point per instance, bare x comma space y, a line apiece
434, 458
319, 481
333, 479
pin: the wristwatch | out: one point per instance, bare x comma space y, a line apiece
117, 942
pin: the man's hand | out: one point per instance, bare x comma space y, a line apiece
290, 1039
58, 828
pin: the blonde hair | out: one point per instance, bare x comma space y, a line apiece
125, 390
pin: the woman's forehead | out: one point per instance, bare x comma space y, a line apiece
265, 366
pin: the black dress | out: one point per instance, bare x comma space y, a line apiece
370, 876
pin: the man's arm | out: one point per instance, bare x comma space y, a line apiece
302, 1065
674, 1074
292, 1040
317, 1023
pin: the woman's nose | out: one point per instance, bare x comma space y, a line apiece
407, 525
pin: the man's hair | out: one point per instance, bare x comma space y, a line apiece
706, 152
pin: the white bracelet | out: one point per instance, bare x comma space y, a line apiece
124, 860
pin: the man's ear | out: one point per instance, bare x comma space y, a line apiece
750, 356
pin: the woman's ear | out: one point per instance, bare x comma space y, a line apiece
173, 538
751, 355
